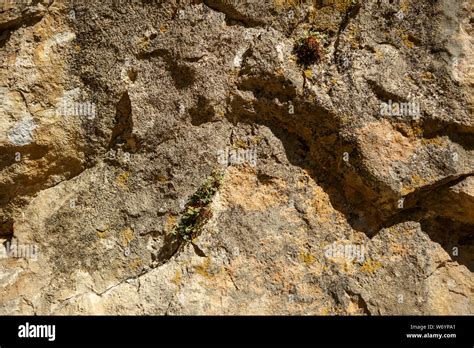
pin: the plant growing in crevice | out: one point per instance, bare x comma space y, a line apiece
309, 48
197, 210
196, 214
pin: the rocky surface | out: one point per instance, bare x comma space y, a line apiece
344, 184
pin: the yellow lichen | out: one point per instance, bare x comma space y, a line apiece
279, 72
325, 311
240, 144
418, 181
122, 179
370, 266
170, 223
426, 76
135, 264
405, 6
126, 236
256, 139
143, 43
204, 269
407, 41
416, 130
162, 179
177, 278
306, 258
405, 190
103, 234
379, 55
437, 141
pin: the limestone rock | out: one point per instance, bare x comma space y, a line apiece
347, 184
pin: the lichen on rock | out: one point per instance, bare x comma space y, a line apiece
342, 132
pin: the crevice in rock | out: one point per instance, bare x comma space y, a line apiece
455, 237
232, 14
157, 53
198, 250
122, 134
172, 244
8, 239
4, 37
16, 154
414, 207
351, 13
457, 133
382, 94
6, 227
359, 301
347, 299
203, 112
28, 18
196, 214
458, 234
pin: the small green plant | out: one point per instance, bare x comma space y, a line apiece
309, 48
197, 211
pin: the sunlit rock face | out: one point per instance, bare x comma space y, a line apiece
183, 157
